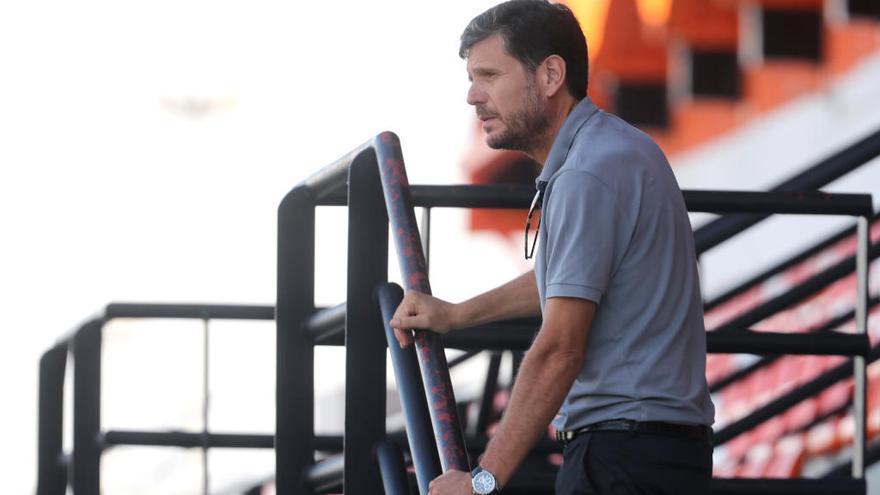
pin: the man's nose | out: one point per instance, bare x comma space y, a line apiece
475, 95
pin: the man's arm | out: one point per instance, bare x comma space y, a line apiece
550, 367
548, 370
517, 298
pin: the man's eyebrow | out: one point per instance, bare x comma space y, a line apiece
484, 71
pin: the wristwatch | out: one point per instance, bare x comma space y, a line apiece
483, 482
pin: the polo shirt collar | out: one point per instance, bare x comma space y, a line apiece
579, 115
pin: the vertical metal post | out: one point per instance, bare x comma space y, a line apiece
51, 474
432, 359
87, 409
490, 387
295, 356
419, 433
751, 47
859, 371
205, 405
364, 336
394, 478
426, 237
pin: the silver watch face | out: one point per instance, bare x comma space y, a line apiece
484, 483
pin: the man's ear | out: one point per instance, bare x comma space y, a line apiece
551, 75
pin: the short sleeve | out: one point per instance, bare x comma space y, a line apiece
582, 221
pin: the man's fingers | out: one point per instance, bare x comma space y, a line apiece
404, 337
403, 324
406, 308
410, 322
410, 314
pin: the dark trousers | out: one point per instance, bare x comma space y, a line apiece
634, 463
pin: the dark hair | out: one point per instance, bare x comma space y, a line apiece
532, 31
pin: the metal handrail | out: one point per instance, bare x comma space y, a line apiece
372, 171
356, 174
189, 311
791, 398
499, 336
419, 431
697, 201
51, 471
391, 463
798, 292
819, 175
831, 324
413, 269
784, 265
799, 486
84, 346
114, 438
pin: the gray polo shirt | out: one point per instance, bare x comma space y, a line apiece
615, 231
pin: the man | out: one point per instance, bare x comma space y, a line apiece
621, 353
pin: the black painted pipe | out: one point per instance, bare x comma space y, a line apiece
187, 439
199, 311
86, 353
412, 394
518, 337
393, 469
766, 343
793, 486
798, 293
326, 323
757, 204
776, 202
827, 326
819, 175
326, 475
51, 473
784, 265
432, 359
790, 399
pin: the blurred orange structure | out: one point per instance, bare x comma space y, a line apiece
689, 71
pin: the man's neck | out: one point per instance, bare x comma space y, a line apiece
558, 112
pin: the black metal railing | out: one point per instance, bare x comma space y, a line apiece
371, 182
812, 178
827, 326
81, 468
783, 266
795, 295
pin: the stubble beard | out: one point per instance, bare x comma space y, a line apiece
525, 128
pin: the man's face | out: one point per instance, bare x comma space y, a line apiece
503, 93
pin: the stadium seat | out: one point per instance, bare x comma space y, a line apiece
822, 439
788, 458
756, 462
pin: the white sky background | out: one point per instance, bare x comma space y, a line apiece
107, 194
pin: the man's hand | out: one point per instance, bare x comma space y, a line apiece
418, 310
517, 298
451, 483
